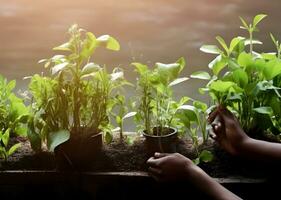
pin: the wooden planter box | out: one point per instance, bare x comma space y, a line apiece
118, 185
40, 180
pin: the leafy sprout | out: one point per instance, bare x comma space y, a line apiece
76, 100
246, 82
156, 107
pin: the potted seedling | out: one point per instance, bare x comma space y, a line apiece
246, 82
72, 106
13, 118
156, 107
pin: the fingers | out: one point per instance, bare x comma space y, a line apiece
225, 114
213, 115
153, 162
217, 131
155, 171
213, 135
217, 128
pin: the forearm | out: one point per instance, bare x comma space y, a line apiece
260, 150
209, 186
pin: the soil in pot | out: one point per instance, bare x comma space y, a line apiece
78, 152
162, 140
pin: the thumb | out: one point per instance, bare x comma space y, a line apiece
225, 114
160, 155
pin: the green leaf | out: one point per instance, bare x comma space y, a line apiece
117, 75
234, 42
59, 67
42, 61
22, 118
11, 85
240, 77
14, 148
189, 111
178, 81
200, 105
140, 68
196, 161
212, 49
181, 62
90, 68
47, 64
264, 110
260, 64
89, 46
273, 39
269, 56
118, 119
245, 59
183, 118
130, 114
6, 137
272, 69
21, 130
108, 138
248, 42
217, 64
184, 100
275, 103
221, 86
34, 139
232, 64
109, 42
130, 140
56, 138
201, 75
258, 19
265, 85
244, 23
168, 72
63, 47
222, 43
206, 156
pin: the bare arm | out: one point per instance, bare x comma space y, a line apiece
260, 150
229, 134
169, 167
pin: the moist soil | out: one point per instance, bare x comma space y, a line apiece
121, 157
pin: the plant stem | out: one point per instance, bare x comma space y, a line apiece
251, 42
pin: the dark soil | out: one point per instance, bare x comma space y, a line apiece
123, 157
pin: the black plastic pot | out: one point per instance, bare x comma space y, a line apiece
78, 152
164, 142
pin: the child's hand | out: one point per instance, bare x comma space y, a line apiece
227, 130
169, 167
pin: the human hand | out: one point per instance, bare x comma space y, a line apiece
227, 130
170, 167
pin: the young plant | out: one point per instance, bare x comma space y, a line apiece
5, 149
122, 114
13, 117
243, 81
194, 118
156, 107
75, 101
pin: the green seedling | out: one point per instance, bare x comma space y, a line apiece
156, 107
245, 82
77, 98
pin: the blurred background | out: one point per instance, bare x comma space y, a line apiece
148, 31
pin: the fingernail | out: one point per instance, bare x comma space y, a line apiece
156, 154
